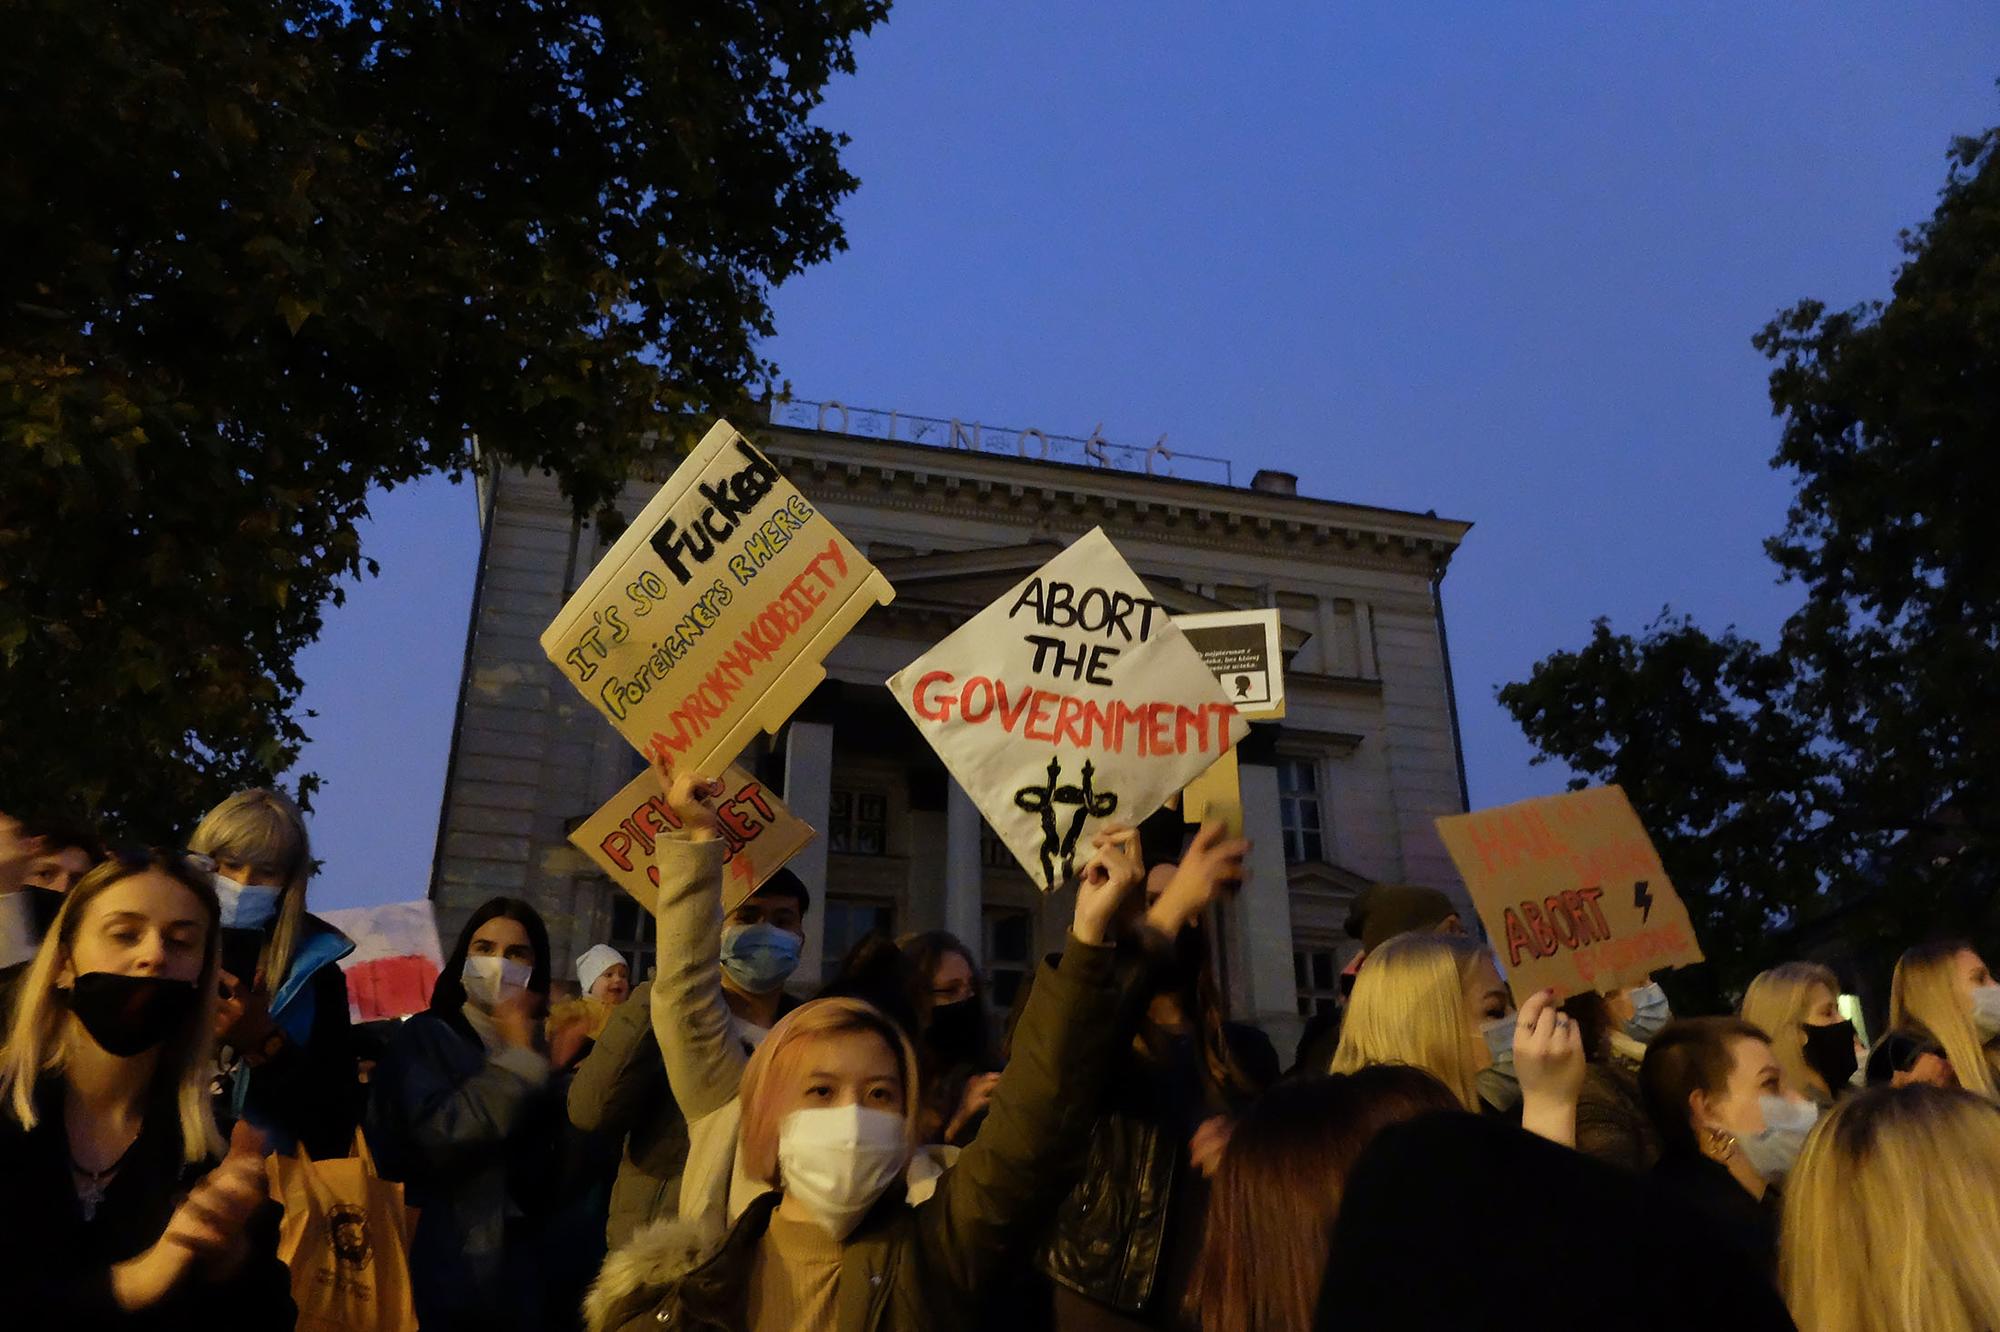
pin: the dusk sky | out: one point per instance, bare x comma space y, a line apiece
1503, 262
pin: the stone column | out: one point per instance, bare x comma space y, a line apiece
1262, 918
964, 875
808, 788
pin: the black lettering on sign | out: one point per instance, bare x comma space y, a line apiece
1092, 609
726, 504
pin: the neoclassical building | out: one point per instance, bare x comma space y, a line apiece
1338, 795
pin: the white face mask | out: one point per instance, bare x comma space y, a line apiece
1986, 1010
839, 1160
488, 980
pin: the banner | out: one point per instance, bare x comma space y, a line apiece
1571, 891
1242, 649
1072, 701
708, 619
395, 960
761, 834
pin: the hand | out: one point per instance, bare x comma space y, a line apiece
686, 793
1548, 1060
977, 1095
1213, 862
1109, 877
17, 852
243, 1016
514, 1018
566, 1042
205, 1232
1205, 1147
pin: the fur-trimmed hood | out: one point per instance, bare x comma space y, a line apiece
657, 1254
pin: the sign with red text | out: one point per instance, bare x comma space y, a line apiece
1072, 701
708, 619
760, 834
1571, 891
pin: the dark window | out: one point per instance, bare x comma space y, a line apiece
632, 934
857, 823
849, 920
1299, 810
1010, 953
1316, 974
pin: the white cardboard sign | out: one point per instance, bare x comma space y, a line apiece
1072, 701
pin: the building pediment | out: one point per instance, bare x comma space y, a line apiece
1324, 877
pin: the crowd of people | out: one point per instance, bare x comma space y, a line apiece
703, 1148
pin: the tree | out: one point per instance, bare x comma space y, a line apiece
263, 256
1847, 779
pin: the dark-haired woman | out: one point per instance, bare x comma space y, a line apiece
115, 1209
462, 1111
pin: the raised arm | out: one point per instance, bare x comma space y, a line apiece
690, 1019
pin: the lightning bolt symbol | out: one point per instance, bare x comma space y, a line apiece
1643, 900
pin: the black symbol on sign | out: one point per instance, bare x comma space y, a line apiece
1059, 850
1643, 900
1242, 686
348, 1227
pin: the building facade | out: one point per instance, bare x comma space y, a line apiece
1339, 795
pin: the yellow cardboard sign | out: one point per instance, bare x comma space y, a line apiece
708, 619
759, 832
1571, 891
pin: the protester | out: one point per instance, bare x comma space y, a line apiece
604, 979
1378, 914
954, 1044
1944, 991
1727, 1132
285, 1053
1904, 1057
116, 1210
1611, 1121
1892, 1218
828, 1116
1277, 1192
460, 1109
40, 860
1816, 1048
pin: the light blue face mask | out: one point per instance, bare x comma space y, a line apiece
245, 906
1986, 1010
759, 957
1650, 1012
1499, 1035
1775, 1151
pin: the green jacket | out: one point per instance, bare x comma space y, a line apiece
911, 1268
621, 1090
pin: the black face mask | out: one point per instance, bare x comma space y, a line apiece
1830, 1052
43, 903
129, 1015
957, 1033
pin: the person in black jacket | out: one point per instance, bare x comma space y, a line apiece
116, 1211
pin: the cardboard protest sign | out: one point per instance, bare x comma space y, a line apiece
709, 618
1571, 890
760, 834
1072, 701
1241, 647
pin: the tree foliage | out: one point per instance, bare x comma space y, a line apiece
259, 257
1847, 778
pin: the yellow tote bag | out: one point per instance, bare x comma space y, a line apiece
346, 1237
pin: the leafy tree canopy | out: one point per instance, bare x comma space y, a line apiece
258, 257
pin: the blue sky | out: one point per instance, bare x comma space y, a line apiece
1499, 261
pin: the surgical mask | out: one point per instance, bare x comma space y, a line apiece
1499, 1035
839, 1160
1830, 1052
759, 956
129, 1015
245, 906
488, 980
1773, 1152
1986, 1010
1650, 1012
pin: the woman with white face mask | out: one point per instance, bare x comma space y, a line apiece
284, 1049
1944, 991
1728, 1132
827, 1127
461, 1110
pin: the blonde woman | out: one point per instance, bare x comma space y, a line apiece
1892, 1218
115, 1208
1798, 1006
1944, 991
1436, 1002
285, 1051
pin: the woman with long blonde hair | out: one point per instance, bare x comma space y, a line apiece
284, 1048
1943, 990
1892, 1217
1798, 1006
115, 1206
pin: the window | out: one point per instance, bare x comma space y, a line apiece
857, 822
1299, 810
849, 920
1010, 954
993, 852
1316, 973
632, 934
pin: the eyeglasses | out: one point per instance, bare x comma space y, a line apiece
956, 992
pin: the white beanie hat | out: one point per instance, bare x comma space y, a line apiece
594, 962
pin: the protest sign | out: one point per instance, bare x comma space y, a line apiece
395, 960
1241, 648
709, 618
1571, 891
1072, 701
760, 834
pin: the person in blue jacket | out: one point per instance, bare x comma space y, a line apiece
284, 1044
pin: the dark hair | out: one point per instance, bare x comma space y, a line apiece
1277, 1192
1898, 1052
875, 970
449, 994
60, 833
1593, 1024
784, 883
1689, 1055
925, 952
